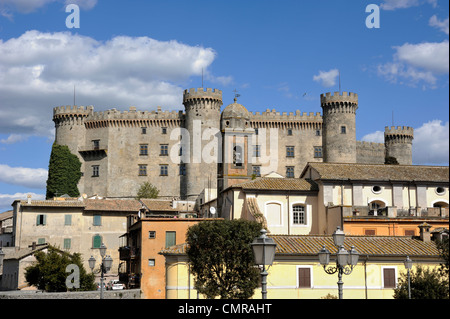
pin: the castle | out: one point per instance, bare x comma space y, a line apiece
185, 153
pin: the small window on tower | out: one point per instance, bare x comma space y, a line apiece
343, 130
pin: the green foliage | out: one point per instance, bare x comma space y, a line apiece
147, 190
63, 172
390, 160
222, 259
443, 252
426, 283
49, 273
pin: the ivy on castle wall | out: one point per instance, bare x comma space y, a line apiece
63, 172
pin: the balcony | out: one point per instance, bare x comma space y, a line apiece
128, 253
394, 212
95, 149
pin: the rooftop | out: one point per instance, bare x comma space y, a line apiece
282, 184
379, 172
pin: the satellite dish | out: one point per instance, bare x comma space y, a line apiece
212, 210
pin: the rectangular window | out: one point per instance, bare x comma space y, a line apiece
182, 170
152, 234
304, 278
257, 171
41, 219
290, 151
289, 132
389, 278
142, 170
143, 149
163, 170
256, 150
151, 262
369, 232
317, 132
96, 241
143, 130
171, 238
96, 144
95, 170
67, 220
67, 243
343, 130
164, 130
410, 232
299, 215
41, 241
318, 152
97, 221
164, 150
290, 172
256, 131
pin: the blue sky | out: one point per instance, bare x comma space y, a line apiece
276, 54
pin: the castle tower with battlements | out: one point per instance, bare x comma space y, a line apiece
185, 152
339, 127
202, 122
398, 142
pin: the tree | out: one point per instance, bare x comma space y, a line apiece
63, 172
390, 160
147, 190
222, 259
49, 273
426, 283
443, 246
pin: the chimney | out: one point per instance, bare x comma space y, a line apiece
33, 246
29, 199
425, 234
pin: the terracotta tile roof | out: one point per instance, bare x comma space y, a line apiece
271, 183
310, 245
365, 245
339, 171
122, 205
53, 203
158, 205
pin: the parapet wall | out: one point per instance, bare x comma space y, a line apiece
399, 130
72, 110
370, 152
201, 93
338, 97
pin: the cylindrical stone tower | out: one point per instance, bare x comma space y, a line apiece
202, 121
339, 128
398, 143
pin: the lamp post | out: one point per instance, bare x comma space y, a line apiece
105, 266
2, 257
345, 260
264, 251
408, 266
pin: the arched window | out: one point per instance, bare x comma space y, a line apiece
299, 212
238, 158
96, 241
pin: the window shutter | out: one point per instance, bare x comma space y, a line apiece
38, 219
389, 278
170, 238
44, 220
97, 241
304, 278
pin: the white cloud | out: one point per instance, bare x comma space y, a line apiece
84, 4
22, 176
13, 138
441, 25
431, 143
376, 137
7, 199
417, 63
403, 4
327, 79
39, 70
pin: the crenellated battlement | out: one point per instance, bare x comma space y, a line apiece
399, 130
370, 146
202, 93
72, 110
273, 115
338, 97
134, 114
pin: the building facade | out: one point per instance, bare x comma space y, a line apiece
182, 153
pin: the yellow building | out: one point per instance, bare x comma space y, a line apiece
297, 274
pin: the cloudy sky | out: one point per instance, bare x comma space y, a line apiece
276, 54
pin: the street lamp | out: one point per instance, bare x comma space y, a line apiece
2, 257
264, 251
104, 267
408, 266
345, 260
